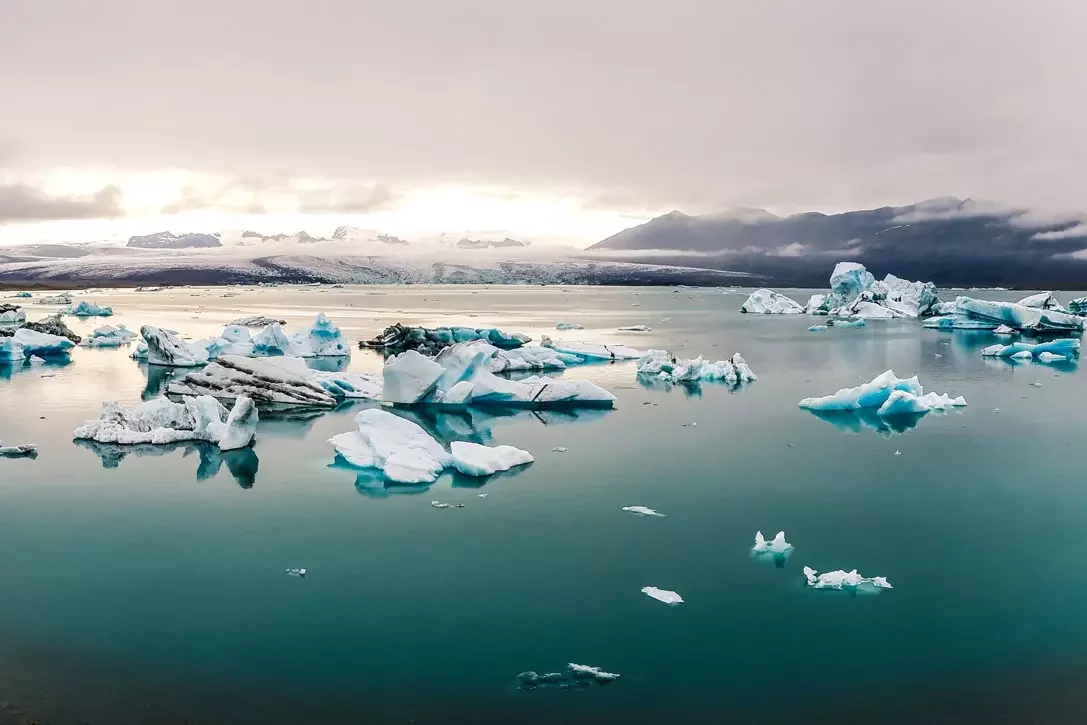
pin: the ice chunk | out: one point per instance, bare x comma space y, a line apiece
912, 299
235, 333
537, 392
1048, 357
1004, 330
663, 595
402, 337
12, 350
167, 349
158, 421
1066, 347
409, 377
665, 366
270, 342
62, 299
83, 308
1042, 301
817, 305
439, 505
902, 402
349, 385
867, 309
53, 325
11, 315
1027, 319
24, 451
42, 344
590, 352
321, 339
840, 580
458, 362
530, 358
284, 380
869, 395
473, 459
399, 447
295, 572
635, 328
817, 328
1078, 306
257, 321
568, 326
594, 673
641, 511
576, 677
847, 282
960, 321
109, 336
241, 425
777, 545
769, 302
1021, 355
23, 295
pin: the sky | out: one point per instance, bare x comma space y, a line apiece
556, 122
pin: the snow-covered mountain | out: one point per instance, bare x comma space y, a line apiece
169, 240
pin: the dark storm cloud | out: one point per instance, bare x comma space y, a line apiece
22, 203
791, 104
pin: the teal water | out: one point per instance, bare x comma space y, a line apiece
147, 585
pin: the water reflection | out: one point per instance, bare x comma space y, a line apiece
476, 425
371, 483
158, 378
854, 421
242, 463
39, 365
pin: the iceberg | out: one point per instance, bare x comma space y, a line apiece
911, 299
1042, 301
431, 340
1078, 306
961, 321
1065, 347
409, 377
22, 295
769, 302
257, 321
531, 358
321, 339
53, 325
865, 307
167, 349
817, 305
241, 425
270, 342
902, 402
777, 545
62, 299
568, 326
394, 445
161, 421
843, 580
24, 451
635, 328
591, 352
576, 677
641, 511
888, 393
858, 322
847, 282
1048, 357
665, 366
1016, 316
817, 328
42, 344
473, 459
273, 380
11, 350
108, 336
83, 308
663, 595
11, 315
1004, 330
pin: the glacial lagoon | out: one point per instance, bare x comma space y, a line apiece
146, 584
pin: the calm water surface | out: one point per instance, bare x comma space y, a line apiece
147, 585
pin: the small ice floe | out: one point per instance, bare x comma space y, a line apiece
817, 328
560, 449
25, 451
568, 326
635, 328
162, 421
473, 459
1050, 357
663, 595
1004, 330
483, 495
295, 572
859, 322
1036, 384
845, 580
996, 410
1065, 347
641, 511
257, 321
663, 365
898, 453
439, 505
937, 355
777, 545
576, 676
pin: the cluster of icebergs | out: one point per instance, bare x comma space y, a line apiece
888, 395
854, 293
405, 453
778, 548
663, 365
1047, 352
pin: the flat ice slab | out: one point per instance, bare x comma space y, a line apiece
663, 595
473, 459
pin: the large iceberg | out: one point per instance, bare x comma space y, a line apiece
273, 380
911, 299
664, 365
1065, 347
409, 377
769, 302
108, 336
888, 394
167, 349
839, 580
1019, 317
11, 315
474, 459
847, 282
162, 421
321, 339
83, 308
431, 340
42, 344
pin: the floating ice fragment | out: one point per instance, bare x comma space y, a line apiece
439, 505
42, 344
568, 326
592, 672
769, 302
24, 451
560, 449
1004, 330
1065, 347
108, 336
641, 511
285, 380
161, 421
635, 328
1017, 316
295, 572
777, 545
898, 453
321, 339
817, 328
257, 321
1042, 301
473, 459
663, 595
167, 349
409, 377
1048, 357
840, 580
482, 495
397, 446
576, 677
83, 308
1022, 355
665, 366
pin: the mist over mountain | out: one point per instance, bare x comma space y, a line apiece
169, 240
948, 241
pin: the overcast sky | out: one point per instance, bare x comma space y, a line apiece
606, 111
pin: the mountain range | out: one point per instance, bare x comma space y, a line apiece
948, 241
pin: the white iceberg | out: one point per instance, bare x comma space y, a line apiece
108, 336
839, 580
83, 308
888, 393
595, 673
321, 339
42, 344
23, 451
777, 545
241, 425
960, 321
902, 402
162, 421
817, 305
1004, 330
473, 459
911, 299
531, 358
1027, 319
664, 365
62, 299
1065, 347
409, 377
398, 447
663, 595
1048, 357
167, 349
641, 511
273, 380
858, 322
591, 352
1042, 301
769, 302
257, 321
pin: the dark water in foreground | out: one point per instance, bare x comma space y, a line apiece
147, 586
